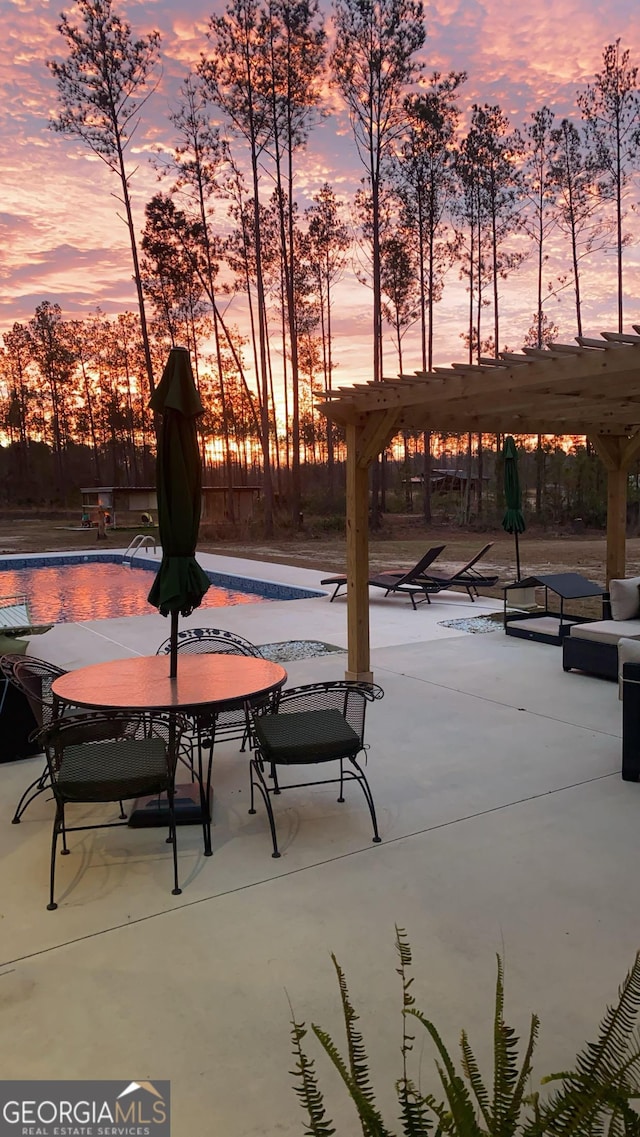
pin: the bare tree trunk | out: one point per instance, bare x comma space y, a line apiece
136, 269
92, 425
264, 375
539, 476
427, 362
377, 466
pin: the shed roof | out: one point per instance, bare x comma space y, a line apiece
590, 387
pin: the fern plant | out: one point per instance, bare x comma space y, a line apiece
592, 1100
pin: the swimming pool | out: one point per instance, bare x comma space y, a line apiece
79, 587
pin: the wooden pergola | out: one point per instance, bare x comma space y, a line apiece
591, 387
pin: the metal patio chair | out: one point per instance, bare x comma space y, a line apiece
33, 678
313, 724
108, 757
229, 725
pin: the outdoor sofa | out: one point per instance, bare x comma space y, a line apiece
595, 647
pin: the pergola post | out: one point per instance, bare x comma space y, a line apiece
364, 443
357, 560
617, 453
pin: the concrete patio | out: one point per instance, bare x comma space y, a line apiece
506, 828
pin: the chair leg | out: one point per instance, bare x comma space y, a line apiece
255, 766
64, 851
364, 785
123, 816
176, 890
38, 786
273, 773
204, 794
341, 797
246, 736
252, 808
51, 906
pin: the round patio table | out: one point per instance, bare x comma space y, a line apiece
205, 685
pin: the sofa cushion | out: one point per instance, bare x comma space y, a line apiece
628, 652
607, 631
625, 598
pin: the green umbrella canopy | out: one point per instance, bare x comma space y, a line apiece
513, 520
180, 583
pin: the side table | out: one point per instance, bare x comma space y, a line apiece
546, 626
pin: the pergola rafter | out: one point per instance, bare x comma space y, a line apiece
591, 387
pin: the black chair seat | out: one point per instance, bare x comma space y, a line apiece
306, 736
108, 775
105, 757
315, 723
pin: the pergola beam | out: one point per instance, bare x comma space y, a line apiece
500, 386
591, 387
511, 424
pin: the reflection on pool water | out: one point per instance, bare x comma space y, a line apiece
63, 593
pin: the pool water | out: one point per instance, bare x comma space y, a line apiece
69, 593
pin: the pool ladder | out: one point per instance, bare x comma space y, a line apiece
140, 541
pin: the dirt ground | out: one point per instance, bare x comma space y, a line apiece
402, 541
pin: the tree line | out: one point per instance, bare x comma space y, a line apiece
448, 188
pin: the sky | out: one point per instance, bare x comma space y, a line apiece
60, 236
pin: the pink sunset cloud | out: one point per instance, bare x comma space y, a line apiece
62, 239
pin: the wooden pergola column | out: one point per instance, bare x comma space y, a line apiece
617, 453
364, 443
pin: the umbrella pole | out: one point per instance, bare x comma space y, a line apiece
517, 559
173, 666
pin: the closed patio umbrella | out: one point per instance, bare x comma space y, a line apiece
180, 583
513, 520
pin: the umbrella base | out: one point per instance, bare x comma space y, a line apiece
153, 812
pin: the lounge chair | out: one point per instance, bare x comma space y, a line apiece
413, 582
467, 576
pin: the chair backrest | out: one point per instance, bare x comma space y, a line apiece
422, 564
34, 678
474, 560
215, 640
85, 746
350, 698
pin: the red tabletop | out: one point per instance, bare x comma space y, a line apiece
218, 682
